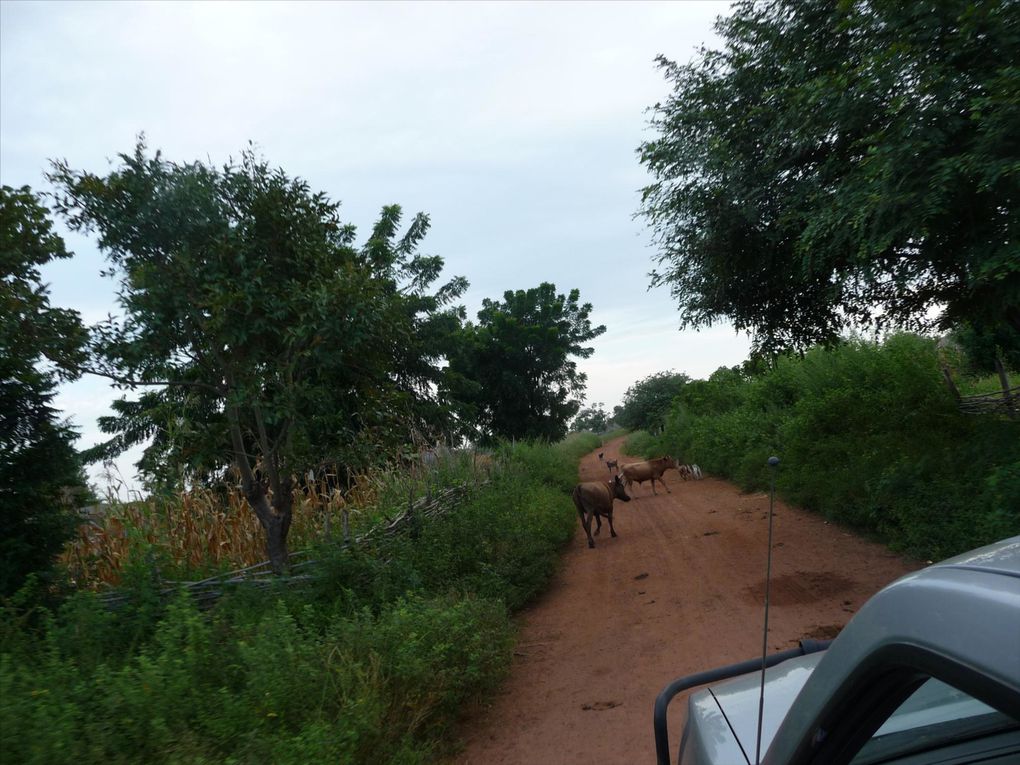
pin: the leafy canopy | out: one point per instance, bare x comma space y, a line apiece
271, 341
241, 286
40, 474
839, 164
593, 419
646, 402
513, 373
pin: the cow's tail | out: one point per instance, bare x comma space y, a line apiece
576, 496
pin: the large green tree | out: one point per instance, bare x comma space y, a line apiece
593, 419
265, 338
41, 480
513, 372
646, 402
841, 163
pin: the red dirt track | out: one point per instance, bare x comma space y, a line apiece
680, 590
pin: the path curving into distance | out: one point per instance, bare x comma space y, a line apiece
680, 590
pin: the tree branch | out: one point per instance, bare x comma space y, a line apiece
131, 382
269, 451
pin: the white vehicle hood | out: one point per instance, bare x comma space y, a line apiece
731, 708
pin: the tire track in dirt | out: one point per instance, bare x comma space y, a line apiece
678, 591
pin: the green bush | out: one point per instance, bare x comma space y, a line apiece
502, 545
554, 466
371, 663
643, 444
868, 435
576, 445
364, 690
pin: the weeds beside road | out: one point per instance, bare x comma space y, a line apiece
370, 664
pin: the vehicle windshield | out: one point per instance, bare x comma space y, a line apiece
933, 716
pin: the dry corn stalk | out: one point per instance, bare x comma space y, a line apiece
199, 529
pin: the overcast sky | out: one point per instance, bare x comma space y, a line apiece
513, 125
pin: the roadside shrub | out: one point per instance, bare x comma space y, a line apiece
372, 662
868, 435
503, 544
435, 654
554, 466
576, 445
365, 690
643, 444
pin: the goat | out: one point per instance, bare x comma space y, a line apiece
690, 472
611, 464
593, 499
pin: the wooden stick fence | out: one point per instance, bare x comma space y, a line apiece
1006, 402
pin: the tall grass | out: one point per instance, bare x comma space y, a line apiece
372, 663
643, 443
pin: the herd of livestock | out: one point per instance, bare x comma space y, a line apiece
594, 499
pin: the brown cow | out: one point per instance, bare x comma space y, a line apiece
594, 499
650, 470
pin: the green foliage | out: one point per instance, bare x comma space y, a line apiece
615, 432
33, 329
838, 164
512, 373
513, 534
365, 688
643, 444
868, 435
983, 345
593, 419
568, 451
503, 543
372, 663
647, 401
278, 344
41, 481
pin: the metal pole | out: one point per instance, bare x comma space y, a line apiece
773, 464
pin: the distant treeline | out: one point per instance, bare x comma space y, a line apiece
868, 434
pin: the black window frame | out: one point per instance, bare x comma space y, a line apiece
877, 687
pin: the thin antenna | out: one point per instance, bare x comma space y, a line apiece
773, 464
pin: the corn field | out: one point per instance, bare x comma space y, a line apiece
200, 529
206, 530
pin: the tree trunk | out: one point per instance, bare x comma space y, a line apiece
276, 543
948, 376
283, 505
275, 519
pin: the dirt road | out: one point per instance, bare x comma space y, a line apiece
679, 590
